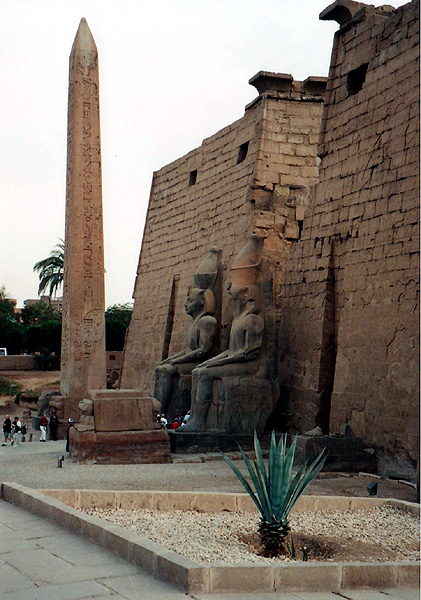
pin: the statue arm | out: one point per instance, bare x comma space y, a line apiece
206, 335
254, 328
216, 360
171, 359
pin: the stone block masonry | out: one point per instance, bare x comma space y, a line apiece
250, 176
334, 192
349, 336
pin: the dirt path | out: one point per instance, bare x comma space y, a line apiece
36, 381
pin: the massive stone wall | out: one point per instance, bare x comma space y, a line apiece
349, 336
250, 176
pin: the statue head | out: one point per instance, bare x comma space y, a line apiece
199, 301
245, 298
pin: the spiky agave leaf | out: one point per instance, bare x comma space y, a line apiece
275, 492
244, 483
310, 473
260, 488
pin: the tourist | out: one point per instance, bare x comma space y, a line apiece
185, 421
23, 431
7, 430
53, 426
69, 425
163, 421
16, 425
43, 422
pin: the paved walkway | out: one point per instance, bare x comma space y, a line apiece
42, 561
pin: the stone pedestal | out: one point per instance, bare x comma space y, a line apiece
184, 442
344, 454
117, 447
118, 427
245, 405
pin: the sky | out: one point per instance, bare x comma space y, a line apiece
172, 72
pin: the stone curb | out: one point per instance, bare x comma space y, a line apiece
211, 502
215, 578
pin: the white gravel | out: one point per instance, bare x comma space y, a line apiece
214, 537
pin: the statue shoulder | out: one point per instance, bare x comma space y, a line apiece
207, 321
255, 321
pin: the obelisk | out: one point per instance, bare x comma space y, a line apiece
83, 365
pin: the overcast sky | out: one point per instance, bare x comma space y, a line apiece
172, 72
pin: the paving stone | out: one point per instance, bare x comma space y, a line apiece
79, 551
381, 595
15, 545
40, 531
69, 591
144, 586
43, 566
11, 580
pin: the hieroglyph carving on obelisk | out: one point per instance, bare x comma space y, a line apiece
83, 365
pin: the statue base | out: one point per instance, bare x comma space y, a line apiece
344, 454
197, 443
118, 427
119, 447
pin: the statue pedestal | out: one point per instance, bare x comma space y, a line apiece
199, 443
119, 447
344, 454
120, 429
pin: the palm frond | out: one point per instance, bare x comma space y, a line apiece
51, 270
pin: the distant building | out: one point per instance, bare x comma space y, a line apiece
56, 303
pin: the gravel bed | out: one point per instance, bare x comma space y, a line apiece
214, 537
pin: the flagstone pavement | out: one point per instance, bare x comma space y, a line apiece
42, 561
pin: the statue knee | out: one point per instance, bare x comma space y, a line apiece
166, 369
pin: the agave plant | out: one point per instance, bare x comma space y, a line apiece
275, 489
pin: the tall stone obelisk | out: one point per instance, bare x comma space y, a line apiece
83, 365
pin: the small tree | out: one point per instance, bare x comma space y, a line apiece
11, 331
37, 313
117, 320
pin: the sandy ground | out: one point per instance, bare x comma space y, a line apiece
36, 381
34, 464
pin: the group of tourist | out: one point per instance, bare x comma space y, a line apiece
15, 431
179, 421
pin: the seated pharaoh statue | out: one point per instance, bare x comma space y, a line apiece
231, 392
173, 375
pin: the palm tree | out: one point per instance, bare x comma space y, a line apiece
51, 270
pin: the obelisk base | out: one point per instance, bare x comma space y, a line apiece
66, 408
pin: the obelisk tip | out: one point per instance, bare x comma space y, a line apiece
84, 39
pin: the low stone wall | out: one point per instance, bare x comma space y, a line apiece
217, 502
17, 363
214, 578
